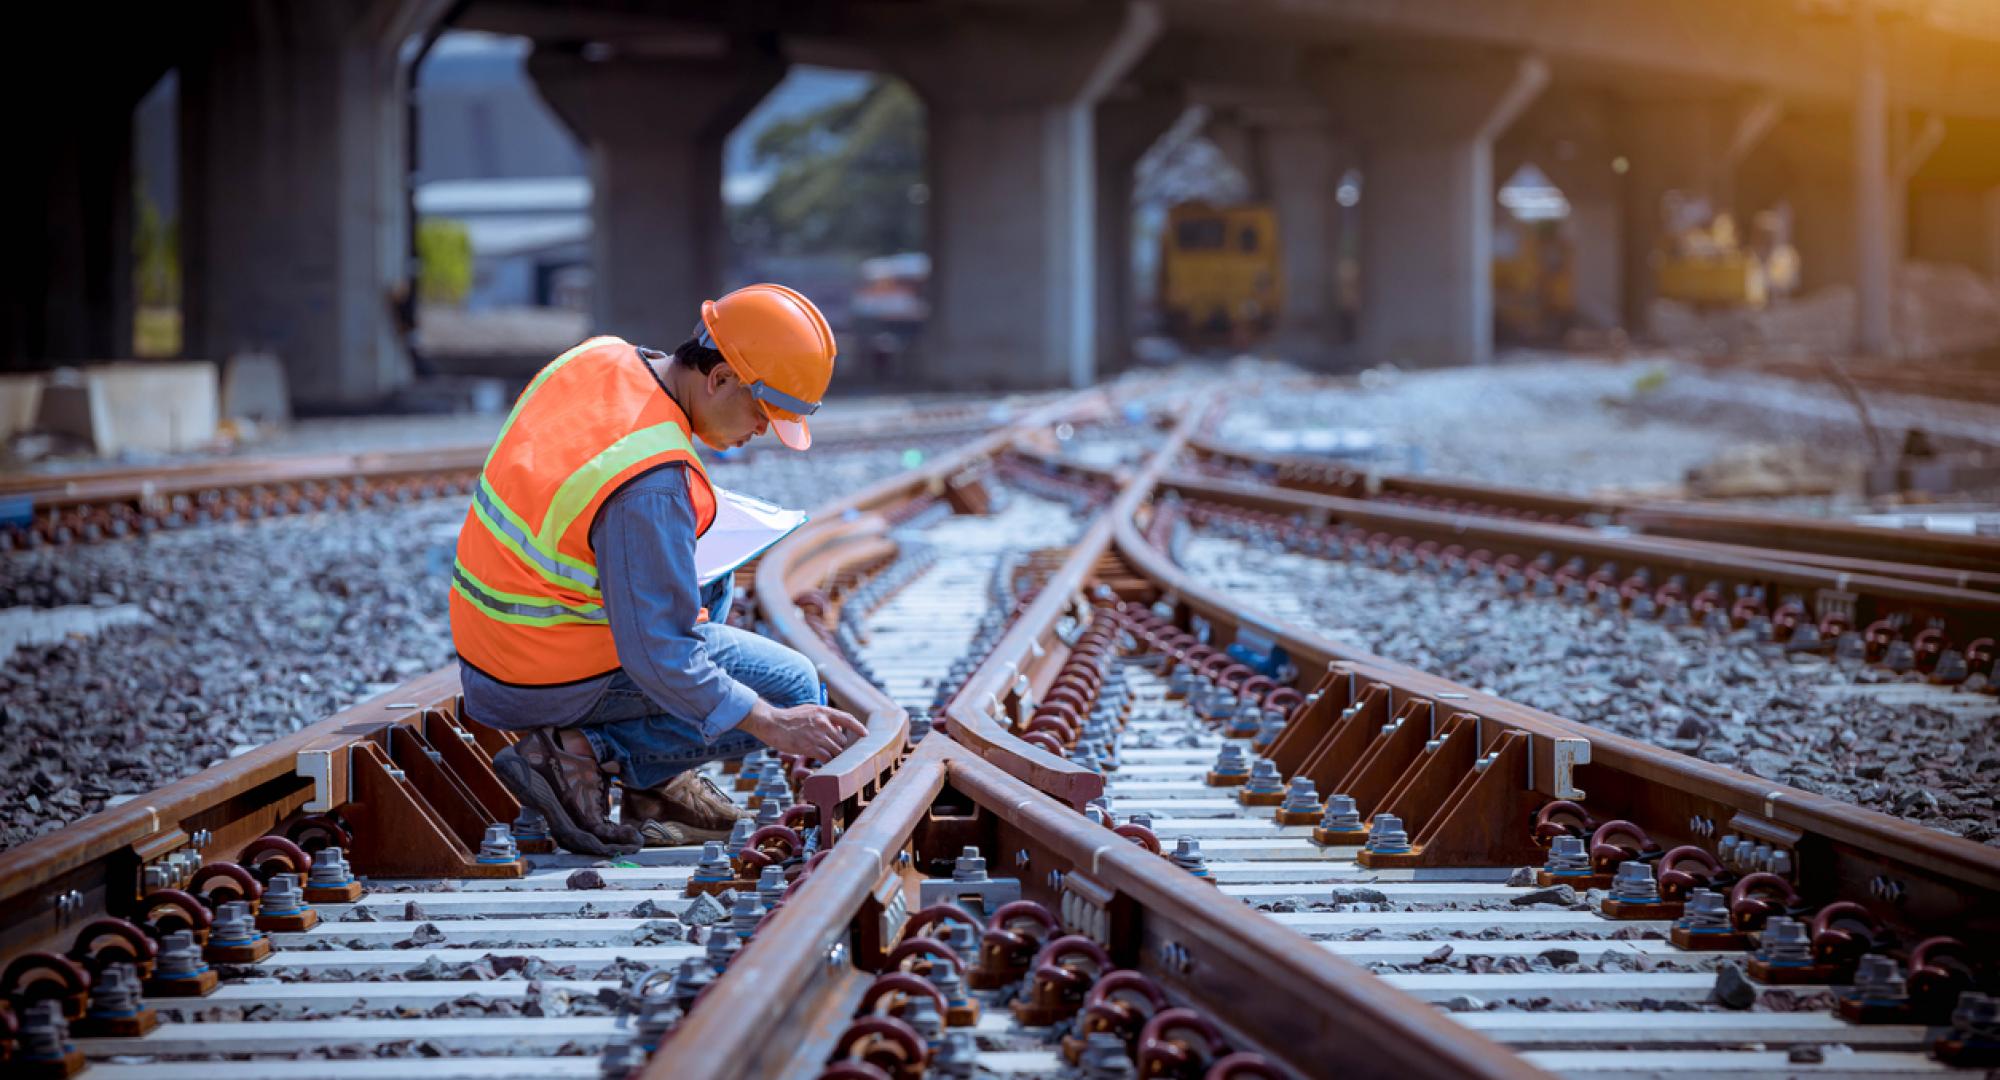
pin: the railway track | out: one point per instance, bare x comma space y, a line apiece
1113, 817
108, 504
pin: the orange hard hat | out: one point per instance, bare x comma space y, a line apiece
778, 343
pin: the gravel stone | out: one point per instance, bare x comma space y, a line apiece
253, 630
1553, 894
1733, 989
584, 879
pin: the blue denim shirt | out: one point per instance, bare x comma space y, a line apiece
644, 539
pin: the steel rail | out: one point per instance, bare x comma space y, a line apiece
977, 717
94, 865
837, 786
1689, 521
1203, 947
1943, 883
1967, 613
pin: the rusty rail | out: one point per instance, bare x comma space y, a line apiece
1778, 535
1942, 883
789, 566
1202, 947
1967, 614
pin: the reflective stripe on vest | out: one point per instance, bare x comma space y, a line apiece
526, 604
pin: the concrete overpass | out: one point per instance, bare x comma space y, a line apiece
295, 133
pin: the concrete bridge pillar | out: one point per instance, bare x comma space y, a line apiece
1426, 136
1301, 168
1011, 108
293, 160
653, 130
1126, 127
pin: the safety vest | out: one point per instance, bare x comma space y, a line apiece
525, 603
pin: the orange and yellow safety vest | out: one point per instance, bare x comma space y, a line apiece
526, 607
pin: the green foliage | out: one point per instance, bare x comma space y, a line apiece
444, 254
849, 178
156, 252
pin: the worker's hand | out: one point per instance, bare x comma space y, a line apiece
814, 731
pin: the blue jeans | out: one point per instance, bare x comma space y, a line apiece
653, 746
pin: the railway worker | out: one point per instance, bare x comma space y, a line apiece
575, 607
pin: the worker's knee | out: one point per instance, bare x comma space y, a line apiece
777, 673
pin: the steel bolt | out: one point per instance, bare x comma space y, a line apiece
1977, 1015
1187, 856
1229, 760
922, 1014
1634, 883
714, 865
116, 991
329, 868
1706, 909
529, 824
44, 1031
1104, 1058
1878, 978
1568, 854
179, 957
957, 1058
1303, 797
282, 896
1785, 941
739, 835
498, 845
771, 886
970, 866
1386, 835
234, 925
1264, 778
1341, 815
745, 913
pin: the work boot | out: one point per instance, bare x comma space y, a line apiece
689, 809
554, 771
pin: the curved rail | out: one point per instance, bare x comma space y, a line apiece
1966, 613
836, 786
977, 716
1771, 533
1943, 880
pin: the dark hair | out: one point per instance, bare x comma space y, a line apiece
697, 356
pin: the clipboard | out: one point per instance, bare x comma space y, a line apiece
744, 527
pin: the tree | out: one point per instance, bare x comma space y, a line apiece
849, 178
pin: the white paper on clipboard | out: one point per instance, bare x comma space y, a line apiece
743, 528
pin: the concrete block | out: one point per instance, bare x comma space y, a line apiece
20, 400
147, 407
254, 388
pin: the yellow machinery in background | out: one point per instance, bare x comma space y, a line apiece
1710, 266
1220, 280
1534, 279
